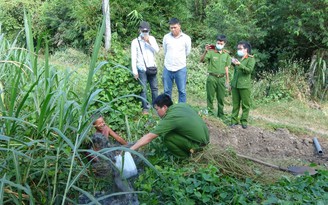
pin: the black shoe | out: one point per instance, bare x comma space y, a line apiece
233, 125
244, 126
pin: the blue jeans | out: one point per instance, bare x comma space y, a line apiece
152, 80
180, 78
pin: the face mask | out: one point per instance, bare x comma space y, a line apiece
142, 34
219, 46
240, 53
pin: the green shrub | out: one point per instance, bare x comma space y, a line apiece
197, 75
286, 84
120, 90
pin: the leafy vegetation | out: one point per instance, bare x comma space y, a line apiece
279, 31
45, 112
43, 125
207, 184
118, 89
287, 84
319, 75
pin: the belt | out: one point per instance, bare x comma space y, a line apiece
217, 75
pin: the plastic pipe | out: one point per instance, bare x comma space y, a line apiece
317, 146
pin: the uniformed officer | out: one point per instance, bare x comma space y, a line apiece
218, 60
241, 83
183, 131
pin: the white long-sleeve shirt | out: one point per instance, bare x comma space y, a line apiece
176, 50
148, 53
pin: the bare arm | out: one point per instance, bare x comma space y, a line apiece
144, 140
227, 74
117, 137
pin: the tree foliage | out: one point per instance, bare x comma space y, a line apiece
278, 30
296, 29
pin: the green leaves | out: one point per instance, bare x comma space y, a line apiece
287, 84
121, 92
319, 75
204, 185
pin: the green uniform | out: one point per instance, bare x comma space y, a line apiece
241, 85
182, 129
215, 83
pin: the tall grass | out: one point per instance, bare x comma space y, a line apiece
43, 123
319, 75
287, 84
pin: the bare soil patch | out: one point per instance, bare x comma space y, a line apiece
279, 147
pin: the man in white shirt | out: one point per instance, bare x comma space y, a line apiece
143, 51
177, 46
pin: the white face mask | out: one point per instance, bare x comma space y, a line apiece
240, 53
219, 46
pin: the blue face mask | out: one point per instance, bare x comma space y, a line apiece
219, 46
143, 34
240, 53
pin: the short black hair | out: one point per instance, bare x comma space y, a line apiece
95, 116
221, 38
163, 99
246, 45
174, 21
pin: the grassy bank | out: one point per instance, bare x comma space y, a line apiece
46, 104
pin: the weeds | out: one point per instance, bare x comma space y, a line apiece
287, 84
319, 75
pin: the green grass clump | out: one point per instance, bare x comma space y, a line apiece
216, 177
286, 84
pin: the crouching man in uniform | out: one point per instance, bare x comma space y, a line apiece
182, 129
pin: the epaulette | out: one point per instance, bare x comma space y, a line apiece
226, 51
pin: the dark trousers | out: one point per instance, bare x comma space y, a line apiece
152, 80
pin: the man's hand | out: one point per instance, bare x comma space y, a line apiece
227, 85
147, 138
146, 38
207, 47
235, 61
136, 76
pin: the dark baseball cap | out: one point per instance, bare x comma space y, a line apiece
144, 25
221, 38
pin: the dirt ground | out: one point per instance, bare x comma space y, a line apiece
278, 147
